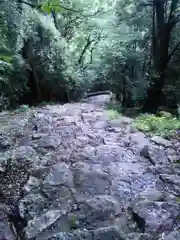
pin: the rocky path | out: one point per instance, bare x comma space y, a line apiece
70, 173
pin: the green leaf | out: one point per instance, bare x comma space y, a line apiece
7, 59
46, 9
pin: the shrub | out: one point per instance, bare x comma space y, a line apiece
158, 125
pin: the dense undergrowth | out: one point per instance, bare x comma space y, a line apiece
158, 125
162, 123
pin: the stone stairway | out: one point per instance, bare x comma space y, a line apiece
76, 174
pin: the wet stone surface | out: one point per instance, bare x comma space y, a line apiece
73, 174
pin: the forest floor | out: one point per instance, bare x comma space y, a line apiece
72, 172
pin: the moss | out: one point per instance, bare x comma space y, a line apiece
73, 222
159, 125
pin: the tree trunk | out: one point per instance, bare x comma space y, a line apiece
27, 53
161, 31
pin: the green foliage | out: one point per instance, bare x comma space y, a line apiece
24, 108
73, 222
51, 5
162, 126
57, 50
114, 107
113, 114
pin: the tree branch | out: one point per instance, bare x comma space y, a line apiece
65, 8
172, 18
88, 43
173, 51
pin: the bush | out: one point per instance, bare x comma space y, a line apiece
159, 125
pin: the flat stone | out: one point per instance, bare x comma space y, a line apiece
108, 154
154, 155
122, 190
24, 154
156, 217
98, 208
139, 139
49, 142
37, 225
59, 174
91, 183
84, 155
152, 195
161, 141
100, 125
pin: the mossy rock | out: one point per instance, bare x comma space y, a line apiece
164, 114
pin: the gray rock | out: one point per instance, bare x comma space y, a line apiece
152, 195
81, 166
86, 173
36, 136
132, 129
3, 162
67, 131
139, 139
154, 155
24, 154
48, 142
32, 185
75, 235
5, 142
161, 141
156, 217
32, 206
106, 233
139, 236
122, 190
6, 229
91, 183
98, 208
84, 155
173, 180
100, 125
37, 225
173, 156
59, 174
175, 235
